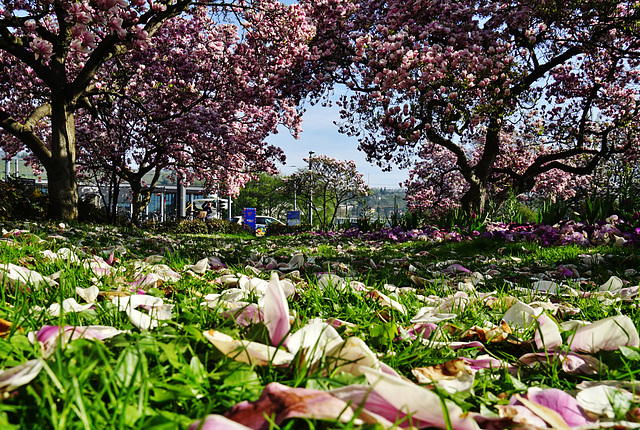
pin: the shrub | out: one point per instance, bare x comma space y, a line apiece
19, 200
275, 229
88, 212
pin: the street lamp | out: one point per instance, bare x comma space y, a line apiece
310, 192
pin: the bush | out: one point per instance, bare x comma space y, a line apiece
209, 226
88, 212
275, 229
551, 213
22, 201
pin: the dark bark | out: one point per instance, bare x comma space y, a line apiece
61, 166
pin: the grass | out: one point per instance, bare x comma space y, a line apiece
171, 376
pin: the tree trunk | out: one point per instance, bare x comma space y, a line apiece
61, 168
475, 199
139, 199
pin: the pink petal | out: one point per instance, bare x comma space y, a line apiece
253, 353
282, 402
547, 333
573, 363
276, 312
561, 402
363, 396
217, 422
216, 263
416, 401
608, 334
20, 375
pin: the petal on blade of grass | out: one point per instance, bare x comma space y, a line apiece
248, 352
200, 267
522, 415
549, 287
141, 320
521, 315
136, 300
351, 356
613, 285
280, 402
604, 400
217, 422
329, 279
296, 262
452, 376
547, 334
385, 300
276, 311
68, 305
430, 315
486, 361
21, 276
20, 375
150, 280
315, 339
561, 402
418, 402
608, 334
49, 336
372, 407
215, 263
253, 285
245, 315
89, 294
456, 268
576, 364
550, 416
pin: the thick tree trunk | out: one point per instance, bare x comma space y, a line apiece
61, 168
475, 199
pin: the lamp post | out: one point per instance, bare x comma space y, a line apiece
310, 192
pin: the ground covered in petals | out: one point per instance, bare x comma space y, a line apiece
523, 327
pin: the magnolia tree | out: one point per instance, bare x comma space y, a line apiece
329, 183
436, 184
58, 55
200, 105
464, 76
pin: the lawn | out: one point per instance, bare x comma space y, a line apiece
106, 327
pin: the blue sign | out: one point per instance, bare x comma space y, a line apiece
293, 218
249, 216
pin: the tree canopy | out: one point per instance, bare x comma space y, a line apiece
64, 56
482, 82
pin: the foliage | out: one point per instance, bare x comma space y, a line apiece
268, 194
368, 224
88, 212
331, 182
209, 226
506, 91
552, 211
277, 229
64, 56
469, 224
19, 200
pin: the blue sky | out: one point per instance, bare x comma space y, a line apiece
321, 135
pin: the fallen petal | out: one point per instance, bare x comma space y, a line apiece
217, 422
420, 403
275, 309
248, 352
281, 402
547, 333
15, 377
561, 402
604, 400
608, 334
